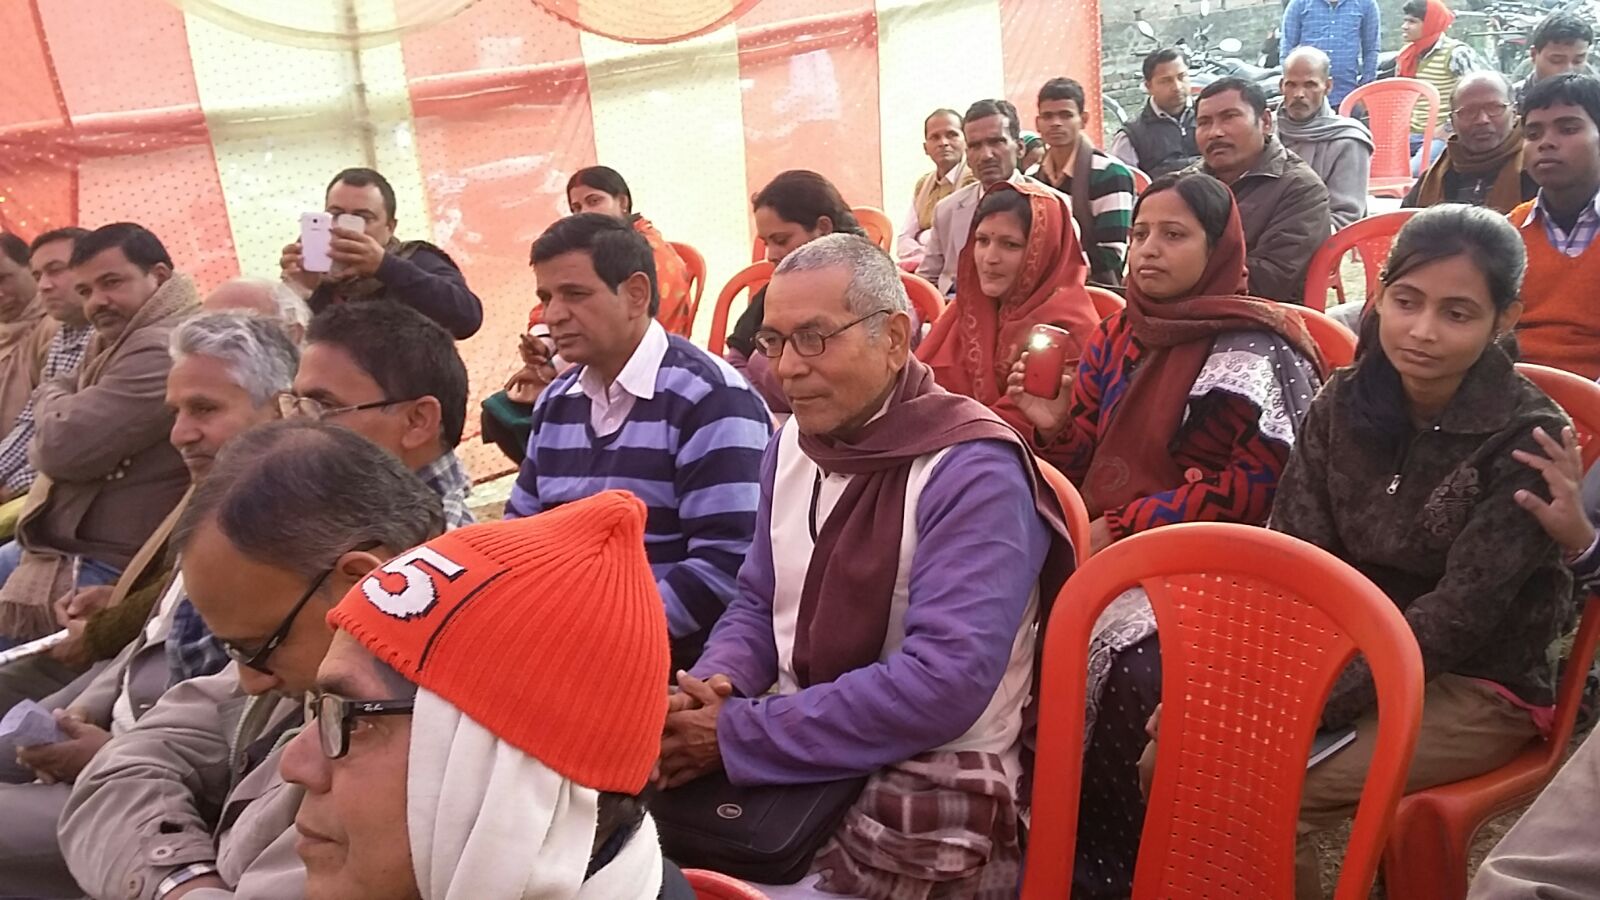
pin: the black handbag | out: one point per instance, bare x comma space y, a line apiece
766, 834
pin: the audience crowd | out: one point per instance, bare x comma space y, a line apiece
260, 648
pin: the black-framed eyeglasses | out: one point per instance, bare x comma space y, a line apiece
257, 659
807, 341
294, 406
335, 717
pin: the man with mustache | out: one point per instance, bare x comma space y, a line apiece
945, 145
1560, 325
1337, 148
1482, 162
1283, 205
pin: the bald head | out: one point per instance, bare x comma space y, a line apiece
1480, 110
1309, 58
1305, 83
252, 294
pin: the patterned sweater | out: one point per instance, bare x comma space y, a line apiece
1111, 197
1233, 464
692, 453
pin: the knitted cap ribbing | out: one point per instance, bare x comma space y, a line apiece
548, 631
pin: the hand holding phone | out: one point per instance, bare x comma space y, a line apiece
1050, 351
316, 233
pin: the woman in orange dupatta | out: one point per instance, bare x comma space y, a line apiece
1022, 266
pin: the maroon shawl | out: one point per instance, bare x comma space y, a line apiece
847, 595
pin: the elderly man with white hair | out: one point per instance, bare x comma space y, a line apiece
1337, 148
272, 299
883, 628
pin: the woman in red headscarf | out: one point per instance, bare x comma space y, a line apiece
1184, 408
1432, 56
1022, 266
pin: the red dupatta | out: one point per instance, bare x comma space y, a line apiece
1434, 22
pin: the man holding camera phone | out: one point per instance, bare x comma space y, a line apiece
368, 263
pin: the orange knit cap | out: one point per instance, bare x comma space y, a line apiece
548, 631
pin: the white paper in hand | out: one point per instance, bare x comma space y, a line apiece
28, 725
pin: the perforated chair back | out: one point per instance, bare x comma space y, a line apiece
1255, 628
1390, 102
1371, 237
750, 279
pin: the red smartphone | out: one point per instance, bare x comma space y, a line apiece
1050, 351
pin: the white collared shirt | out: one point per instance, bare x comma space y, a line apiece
609, 406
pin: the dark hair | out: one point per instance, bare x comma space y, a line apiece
14, 247
604, 179
142, 248
1249, 90
615, 249
804, 197
1488, 239
70, 233
362, 177
1014, 202
1062, 89
1160, 58
1207, 198
408, 354
983, 109
1560, 28
297, 494
939, 112
1566, 89
1416, 9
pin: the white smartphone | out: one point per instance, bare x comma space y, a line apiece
315, 234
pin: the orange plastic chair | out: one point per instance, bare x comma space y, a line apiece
1140, 180
696, 264
1389, 103
751, 278
709, 885
1337, 343
924, 296
1072, 504
1106, 302
1433, 829
875, 222
1255, 627
1370, 237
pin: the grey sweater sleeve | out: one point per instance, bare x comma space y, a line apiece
1347, 181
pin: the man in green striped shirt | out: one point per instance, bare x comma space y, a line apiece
1101, 188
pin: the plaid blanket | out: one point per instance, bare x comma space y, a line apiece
939, 826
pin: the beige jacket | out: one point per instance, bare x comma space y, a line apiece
1550, 853
196, 780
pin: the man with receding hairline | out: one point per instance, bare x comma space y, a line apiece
1482, 161
944, 143
1338, 148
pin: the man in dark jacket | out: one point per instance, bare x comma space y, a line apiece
372, 265
1283, 205
1160, 139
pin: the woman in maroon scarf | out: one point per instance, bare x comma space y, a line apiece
1183, 408
1022, 266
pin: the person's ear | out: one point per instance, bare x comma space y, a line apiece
162, 272
635, 291
824, 225
354, 565
897, 336
1506, 322
1266, 122
422, 423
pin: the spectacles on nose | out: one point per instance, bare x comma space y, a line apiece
807, 342
335, 718
257, 659
294, 406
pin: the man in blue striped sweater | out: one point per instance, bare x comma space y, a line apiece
645, 412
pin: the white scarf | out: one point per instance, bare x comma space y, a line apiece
488, 820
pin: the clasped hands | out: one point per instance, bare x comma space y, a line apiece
689, 740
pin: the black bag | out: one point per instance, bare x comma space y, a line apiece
766, 834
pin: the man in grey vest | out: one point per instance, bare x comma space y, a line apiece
1160, 139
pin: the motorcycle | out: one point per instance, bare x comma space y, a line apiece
1207, 65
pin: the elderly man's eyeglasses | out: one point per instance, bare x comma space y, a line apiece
1494, 111
807, 342
294, 406
257, 659
335, 718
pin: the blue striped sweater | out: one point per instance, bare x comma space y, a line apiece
692, 453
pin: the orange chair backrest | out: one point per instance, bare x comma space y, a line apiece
751, 278
1077, 512
709, 885
1106, 303
1255, 627
1337, 343
1390, 102
1140, 180
1579, 396
696, 264
875, 222
924, 296
1370, 237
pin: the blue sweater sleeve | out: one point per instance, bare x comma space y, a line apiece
981, 545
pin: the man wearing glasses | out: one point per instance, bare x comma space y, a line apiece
642, 411
292, 515
372, 264
1482, 163
451, 755
890, 594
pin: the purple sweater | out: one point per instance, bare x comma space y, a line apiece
981, 546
